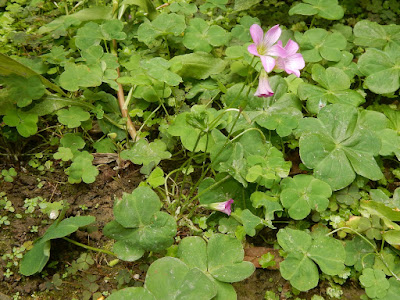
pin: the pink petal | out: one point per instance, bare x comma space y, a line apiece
272, 36
294, 63
291, 47
264, 89
268, 63
253, 49
256, 33
277, 50
227, 208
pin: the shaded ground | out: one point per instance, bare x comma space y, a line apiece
69, 275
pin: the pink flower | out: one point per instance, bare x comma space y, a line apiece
291, 61
224, 207
264, 46
264, 89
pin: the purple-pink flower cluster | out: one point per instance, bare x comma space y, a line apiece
273, 55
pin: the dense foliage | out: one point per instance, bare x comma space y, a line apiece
314, 159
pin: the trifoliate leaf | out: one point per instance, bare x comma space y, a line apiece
335, 146
76, 76
26, 123
380, 67
304, 193
375, 283
73, 116
164, 25
144, 153
65, 154
199, 36
317, 44
72, 141
82, 169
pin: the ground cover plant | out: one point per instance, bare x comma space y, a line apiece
183, 149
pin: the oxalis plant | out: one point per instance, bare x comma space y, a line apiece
267, 126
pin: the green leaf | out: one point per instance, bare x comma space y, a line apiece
382, 126
337, 147
76, 76
23, 89
169, 278
303, 9
146, 153
244, 4
387, 214
381, 69
66, 227
112, 30
348, 195
197, 65
298, 267
164, 25
35, 259
26, 123
332, 263
65, 154
358, 253
136, 209
105, 146
225, 259
82, 169
392, 237
375, 283
137, 293
139, 225
225, 291
335, 89
9, 66
281, 112
235, 165
317, 44
185, 8
72, 141
193, 251
73, 117
294, 240
146, 5
374, 35
303, 193
199, 36
156, 178
84, 15
158, 67
327, 9
128, 250
300, 271
194, 127
250, 222
268, 202
394, 289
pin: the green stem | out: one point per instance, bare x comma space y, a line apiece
312, 22
202, 192
250, 129
89, 247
